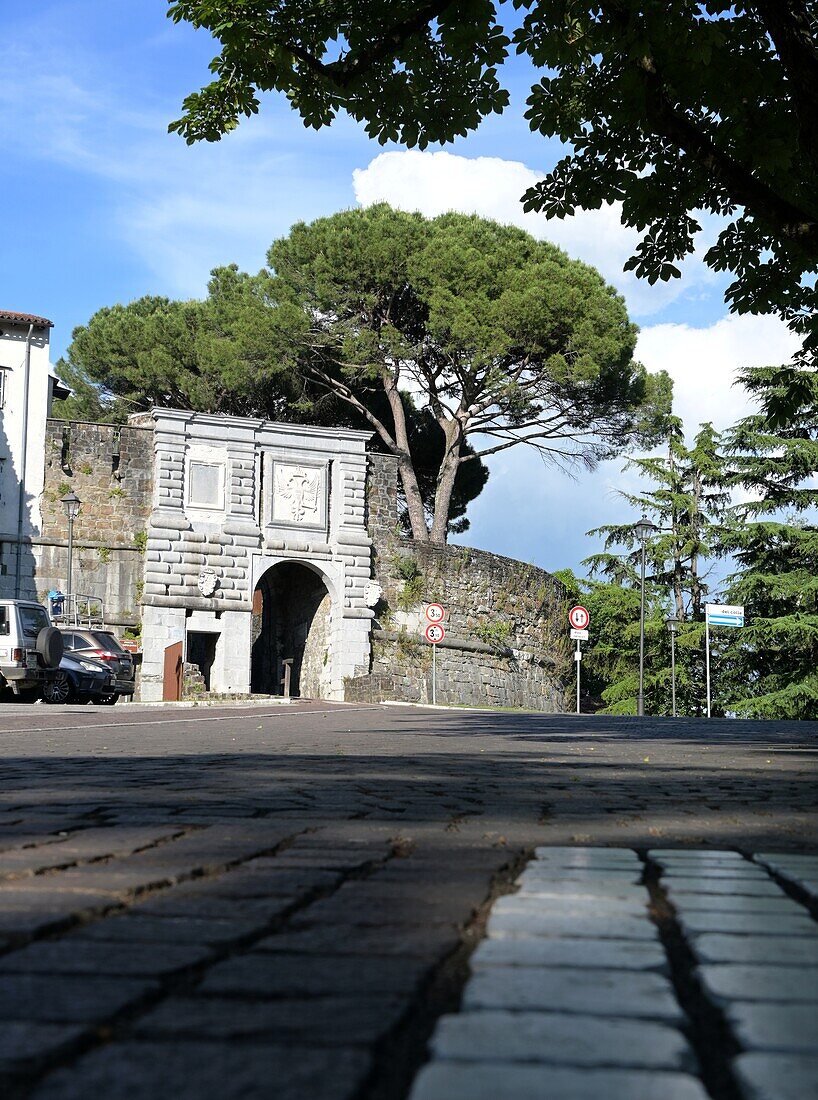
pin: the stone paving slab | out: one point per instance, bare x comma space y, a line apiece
350, 939
61, 999
603, 904
584, 990
263, 975
537, 885
756, 924
585, 856
24, 1044
556, 1039
786, 950
731, 903
697, 885
325, 1021
596, 954
788, 1028
188, 1071
777, 1076
515, 925
72, 956
134, 929
741, 982
453, 1081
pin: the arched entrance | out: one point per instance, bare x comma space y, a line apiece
291, 621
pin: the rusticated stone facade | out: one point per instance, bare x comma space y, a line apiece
233, 499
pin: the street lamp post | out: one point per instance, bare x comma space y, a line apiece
672, 623
643, 530
72, 504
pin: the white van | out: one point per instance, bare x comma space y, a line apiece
31, 648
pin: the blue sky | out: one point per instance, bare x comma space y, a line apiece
102, 205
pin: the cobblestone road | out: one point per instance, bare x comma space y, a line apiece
255, 902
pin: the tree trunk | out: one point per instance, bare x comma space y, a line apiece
411, 489
445, 481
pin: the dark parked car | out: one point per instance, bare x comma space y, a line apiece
78, 681
102, 648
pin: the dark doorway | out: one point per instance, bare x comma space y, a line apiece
201, 651
291, 621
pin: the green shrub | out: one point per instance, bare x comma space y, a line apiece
494, 634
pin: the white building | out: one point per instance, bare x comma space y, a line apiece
28, 386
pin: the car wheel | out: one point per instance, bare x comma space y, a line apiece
58, 690
106, 700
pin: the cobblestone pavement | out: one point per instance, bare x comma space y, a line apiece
253, 902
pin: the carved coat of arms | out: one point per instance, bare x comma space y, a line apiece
297, 491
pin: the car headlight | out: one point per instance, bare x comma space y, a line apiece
90, 667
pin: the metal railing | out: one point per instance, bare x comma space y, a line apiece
77, 609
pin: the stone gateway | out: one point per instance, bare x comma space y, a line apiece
258, 556
253, 553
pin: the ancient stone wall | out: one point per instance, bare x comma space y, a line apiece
110, 468
506, 635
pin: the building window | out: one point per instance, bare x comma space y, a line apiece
205, 485
3, 373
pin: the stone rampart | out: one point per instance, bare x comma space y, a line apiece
506, 634
110, 468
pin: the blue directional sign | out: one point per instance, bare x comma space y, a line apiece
725, 614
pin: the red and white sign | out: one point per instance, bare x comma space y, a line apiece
435, 613
578, 617
434, 633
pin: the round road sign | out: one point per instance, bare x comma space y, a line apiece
435, 613
578, 617
434, 633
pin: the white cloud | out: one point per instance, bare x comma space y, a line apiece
703, 363
436, 182
538, 513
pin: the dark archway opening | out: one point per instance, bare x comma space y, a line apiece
291, 621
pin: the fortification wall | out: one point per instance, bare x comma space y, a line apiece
506, 638
110, 468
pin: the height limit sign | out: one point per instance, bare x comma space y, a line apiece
434, 634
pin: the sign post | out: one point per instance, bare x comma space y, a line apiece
434, 633
719, 614
579, 618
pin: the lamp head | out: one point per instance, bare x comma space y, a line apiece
643, 528
72, 504
672, 623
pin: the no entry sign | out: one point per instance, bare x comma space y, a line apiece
578, 617
434, 633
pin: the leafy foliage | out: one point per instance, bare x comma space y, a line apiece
772, 664
672, 107
687, 502
501, 337
237, 352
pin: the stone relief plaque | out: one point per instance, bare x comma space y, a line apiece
299, 495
